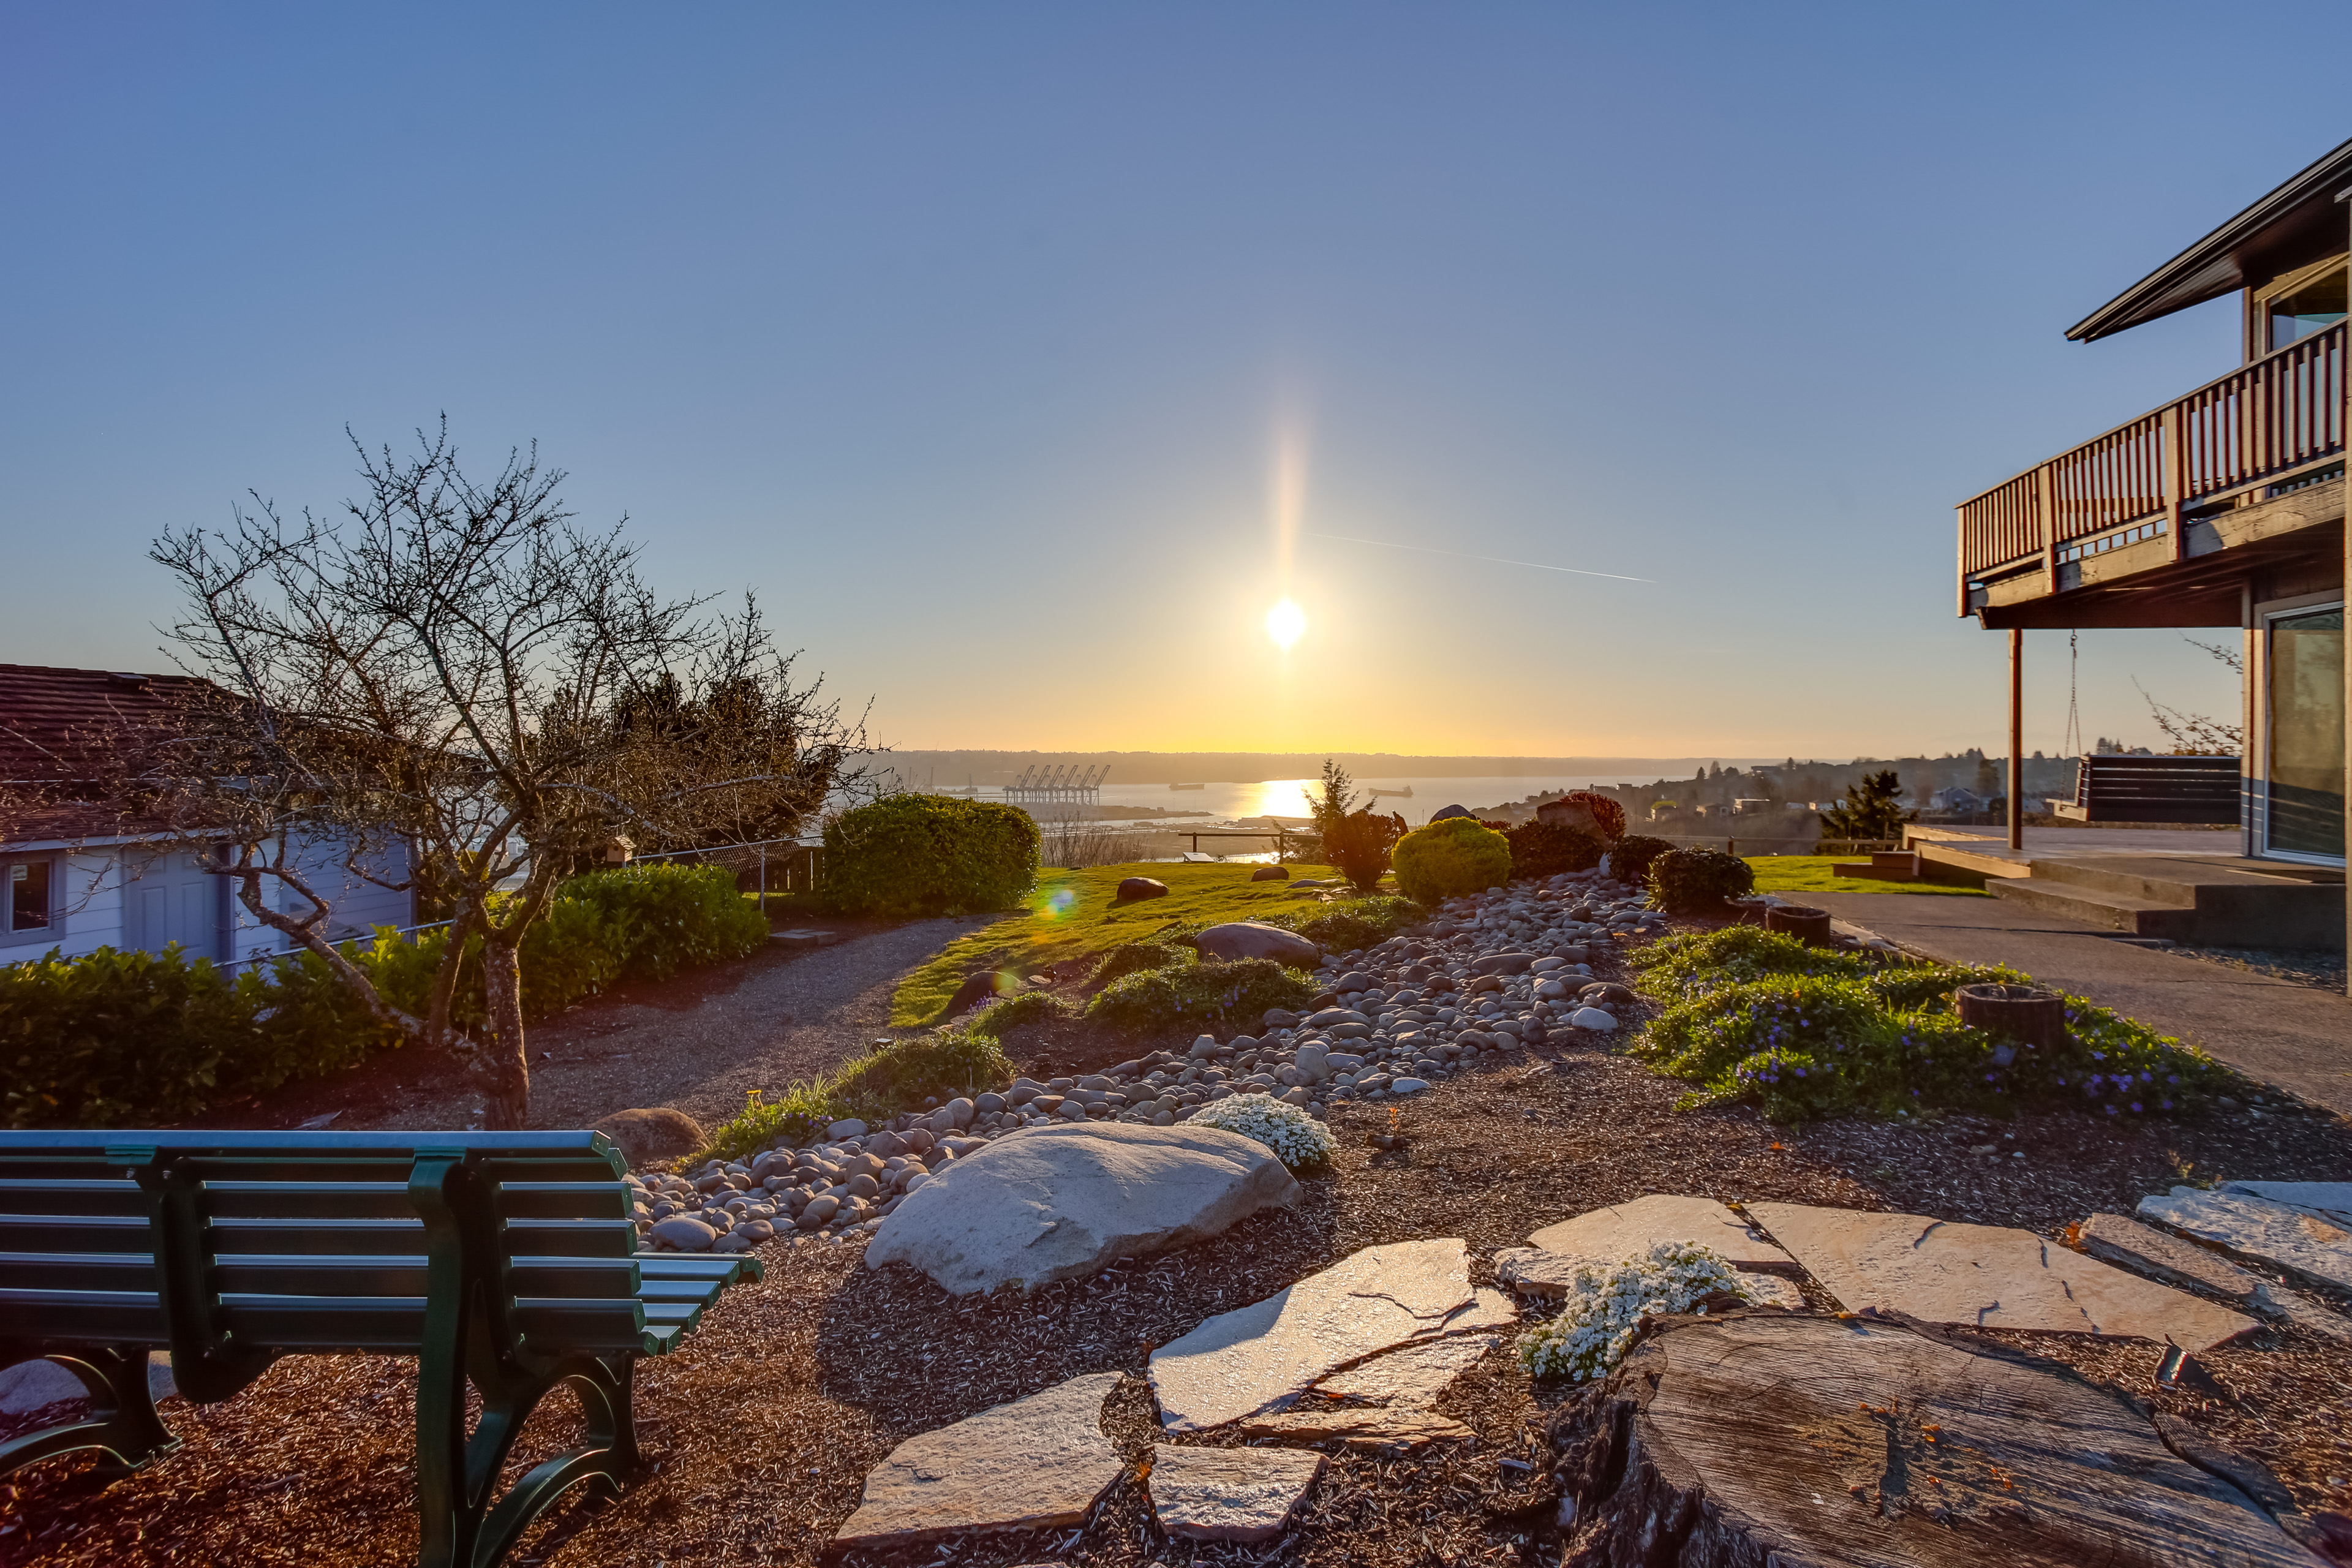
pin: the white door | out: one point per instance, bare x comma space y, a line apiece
172, 898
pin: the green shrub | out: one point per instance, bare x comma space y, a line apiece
1629, 857
1014, 1011
1800, 1046
1134, 957
1358, 844
1194, 993
1677, 968
118, 1038
1548, 848
1450, 858
929, 855
1697, 881
796, 1116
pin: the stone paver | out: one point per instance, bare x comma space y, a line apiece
1375, 1430
2303, 1244
1059, 1203
1265, 1355
1228, 1494
1772, 1291
1039, 1463
2162, 1255
2329, 1200
1986, 1276
1410, 1378
1620, 1231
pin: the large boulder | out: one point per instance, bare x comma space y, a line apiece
1248, 939
1271, 874
1133, 887
655, 1134
1063, 1201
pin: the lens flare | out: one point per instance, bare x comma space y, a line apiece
1285, 624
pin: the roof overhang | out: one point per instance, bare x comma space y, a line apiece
2299, 222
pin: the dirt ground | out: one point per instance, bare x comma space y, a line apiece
760, 1430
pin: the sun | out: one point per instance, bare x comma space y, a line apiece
1285, 623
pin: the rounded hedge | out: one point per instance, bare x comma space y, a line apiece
929, 855
1629, 857
1450, 857
1697, 881
1548, 848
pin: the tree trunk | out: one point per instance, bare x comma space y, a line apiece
506, 1068
1796, 1441
2026, 1014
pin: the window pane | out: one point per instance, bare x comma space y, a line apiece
2306, 789
28, 895
2317, 304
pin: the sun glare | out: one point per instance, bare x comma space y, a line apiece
1284, 623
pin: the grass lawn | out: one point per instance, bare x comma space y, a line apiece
1071, 915
1812, 873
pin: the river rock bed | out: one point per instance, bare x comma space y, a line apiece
1488, 974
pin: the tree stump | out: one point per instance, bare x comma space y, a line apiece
1808, 925
1815, 1442
2026, 1014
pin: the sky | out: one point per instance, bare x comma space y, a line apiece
1021, 357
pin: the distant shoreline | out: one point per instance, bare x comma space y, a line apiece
985, 768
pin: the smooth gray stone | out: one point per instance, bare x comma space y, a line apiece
1228, 1494
2303, 1244
2162, 1255
1060, 1201
2329, 1200
1249, 939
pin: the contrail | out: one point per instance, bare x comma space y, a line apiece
1533, 565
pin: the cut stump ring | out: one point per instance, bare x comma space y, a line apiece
2025, 1014
1808, 925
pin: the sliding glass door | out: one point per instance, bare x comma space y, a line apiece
2306, 734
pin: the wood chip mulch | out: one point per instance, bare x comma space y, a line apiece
760, 1430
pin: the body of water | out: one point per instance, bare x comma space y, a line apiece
1288, 797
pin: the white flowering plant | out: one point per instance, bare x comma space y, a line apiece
1295, 1137
1607, 1303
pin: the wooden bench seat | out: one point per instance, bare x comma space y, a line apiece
2113, 788
505, 1260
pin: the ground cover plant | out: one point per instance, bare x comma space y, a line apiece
1451, 858
1302, 1141
1608, 1303
1076, 915
872, 1087
930, 855
1812, 873
1197, 993
1802, 1032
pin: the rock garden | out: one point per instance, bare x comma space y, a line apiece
1537, 1223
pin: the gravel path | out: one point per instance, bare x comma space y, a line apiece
695, 1044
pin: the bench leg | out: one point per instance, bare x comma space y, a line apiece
123, 1421
457, 1476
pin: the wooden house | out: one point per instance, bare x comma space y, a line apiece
2220, 508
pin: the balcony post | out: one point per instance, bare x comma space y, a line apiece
2017, 738
2045, 492
2176, 480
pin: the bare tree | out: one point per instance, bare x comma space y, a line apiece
453, 689
2194, 733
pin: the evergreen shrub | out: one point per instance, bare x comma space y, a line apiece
1548, 848
1697, 881
1629, 857
1450, 858
929, 855
992, 1021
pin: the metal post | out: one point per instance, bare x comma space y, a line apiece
763, 881
2017, 738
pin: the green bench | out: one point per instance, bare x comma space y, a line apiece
506, 1259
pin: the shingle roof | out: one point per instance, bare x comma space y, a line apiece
47, 714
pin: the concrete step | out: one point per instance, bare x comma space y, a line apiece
2096, 906
2156, 877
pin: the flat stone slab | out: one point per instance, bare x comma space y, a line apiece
1986, 1276
2329, 1200
1772, 1291
1487, 1309
2162, 1255
1039, 1463
1620, 1231
1372, 1431
1063, 1201
1409, 1377
2300, 1243
1264, 1356
805, 938
1228, 1494
2292, 1307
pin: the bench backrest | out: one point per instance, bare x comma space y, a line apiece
210, 1243
2159, 789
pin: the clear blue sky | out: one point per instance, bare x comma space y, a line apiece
969, 335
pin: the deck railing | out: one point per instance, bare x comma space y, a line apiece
2262, 421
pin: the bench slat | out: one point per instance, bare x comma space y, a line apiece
309, 1200
347, 1237
70, 1195
586, 1278
90, 1317
564, 1200
74, 1271
74, 1233
569, 1238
